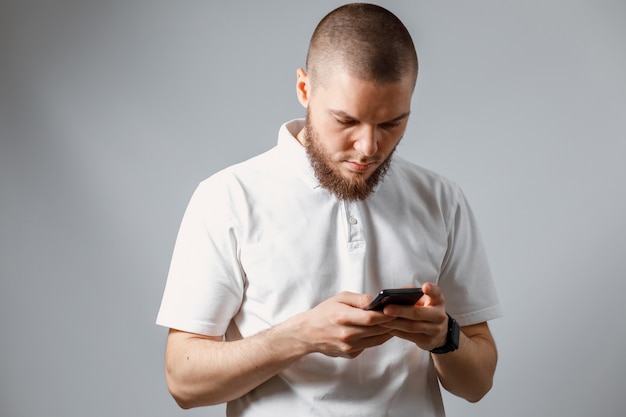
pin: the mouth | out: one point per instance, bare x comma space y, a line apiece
360, 166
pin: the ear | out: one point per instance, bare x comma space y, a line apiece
303, 87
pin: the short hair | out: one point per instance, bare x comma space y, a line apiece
367, 40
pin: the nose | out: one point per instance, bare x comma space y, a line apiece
367, 141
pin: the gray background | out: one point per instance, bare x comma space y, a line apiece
112, 112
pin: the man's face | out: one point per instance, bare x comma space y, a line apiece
352, 129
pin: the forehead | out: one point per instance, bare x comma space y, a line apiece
363, 99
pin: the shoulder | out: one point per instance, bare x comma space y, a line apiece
240, 175
407, 176
419, 191
232, 192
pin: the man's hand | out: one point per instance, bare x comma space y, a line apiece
340, 327
425, 323
467, 372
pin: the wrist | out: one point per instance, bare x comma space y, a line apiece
294, 335
453, 334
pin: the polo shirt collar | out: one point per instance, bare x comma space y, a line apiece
293, 153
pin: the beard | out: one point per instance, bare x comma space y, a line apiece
353, 188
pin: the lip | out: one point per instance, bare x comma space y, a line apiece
358, 167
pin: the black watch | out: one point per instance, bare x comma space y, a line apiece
452, 339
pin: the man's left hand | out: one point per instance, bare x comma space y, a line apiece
425, 323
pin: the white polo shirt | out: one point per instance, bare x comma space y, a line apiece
262, 241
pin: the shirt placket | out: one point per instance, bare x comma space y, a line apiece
354, 226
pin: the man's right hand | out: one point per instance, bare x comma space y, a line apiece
340, 327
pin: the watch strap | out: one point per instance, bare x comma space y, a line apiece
452, 338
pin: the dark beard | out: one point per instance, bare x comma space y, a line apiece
355, 188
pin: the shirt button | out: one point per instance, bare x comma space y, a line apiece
353, 220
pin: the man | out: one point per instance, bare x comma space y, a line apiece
277, 257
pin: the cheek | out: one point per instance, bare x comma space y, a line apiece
390, 141
334, 140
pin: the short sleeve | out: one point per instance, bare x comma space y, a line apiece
466, 278
204, 287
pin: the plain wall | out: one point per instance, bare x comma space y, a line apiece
112, 112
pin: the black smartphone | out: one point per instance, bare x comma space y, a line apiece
400, 296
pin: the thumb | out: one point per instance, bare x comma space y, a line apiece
353, 299
433, 294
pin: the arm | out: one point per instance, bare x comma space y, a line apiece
467, 372
204, 370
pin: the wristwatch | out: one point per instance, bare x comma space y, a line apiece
452, 339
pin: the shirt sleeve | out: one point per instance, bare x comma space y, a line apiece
466, 279
204, 287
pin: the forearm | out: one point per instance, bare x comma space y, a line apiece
205, 370
201, 371
468, 372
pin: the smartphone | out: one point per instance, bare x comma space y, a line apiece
400, 296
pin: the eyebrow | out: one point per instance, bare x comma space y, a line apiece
343, 114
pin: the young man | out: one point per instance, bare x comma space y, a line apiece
277, 257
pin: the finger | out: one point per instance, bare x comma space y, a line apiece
398, 311
358, 315
353, 299
340, 313
371, 341
433, 293
412, 326
427, 315
422, 340
378, 340
352, 334
353, 350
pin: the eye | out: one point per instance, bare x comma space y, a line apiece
390, 125
345, 122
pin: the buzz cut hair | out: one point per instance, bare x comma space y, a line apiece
366, 40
